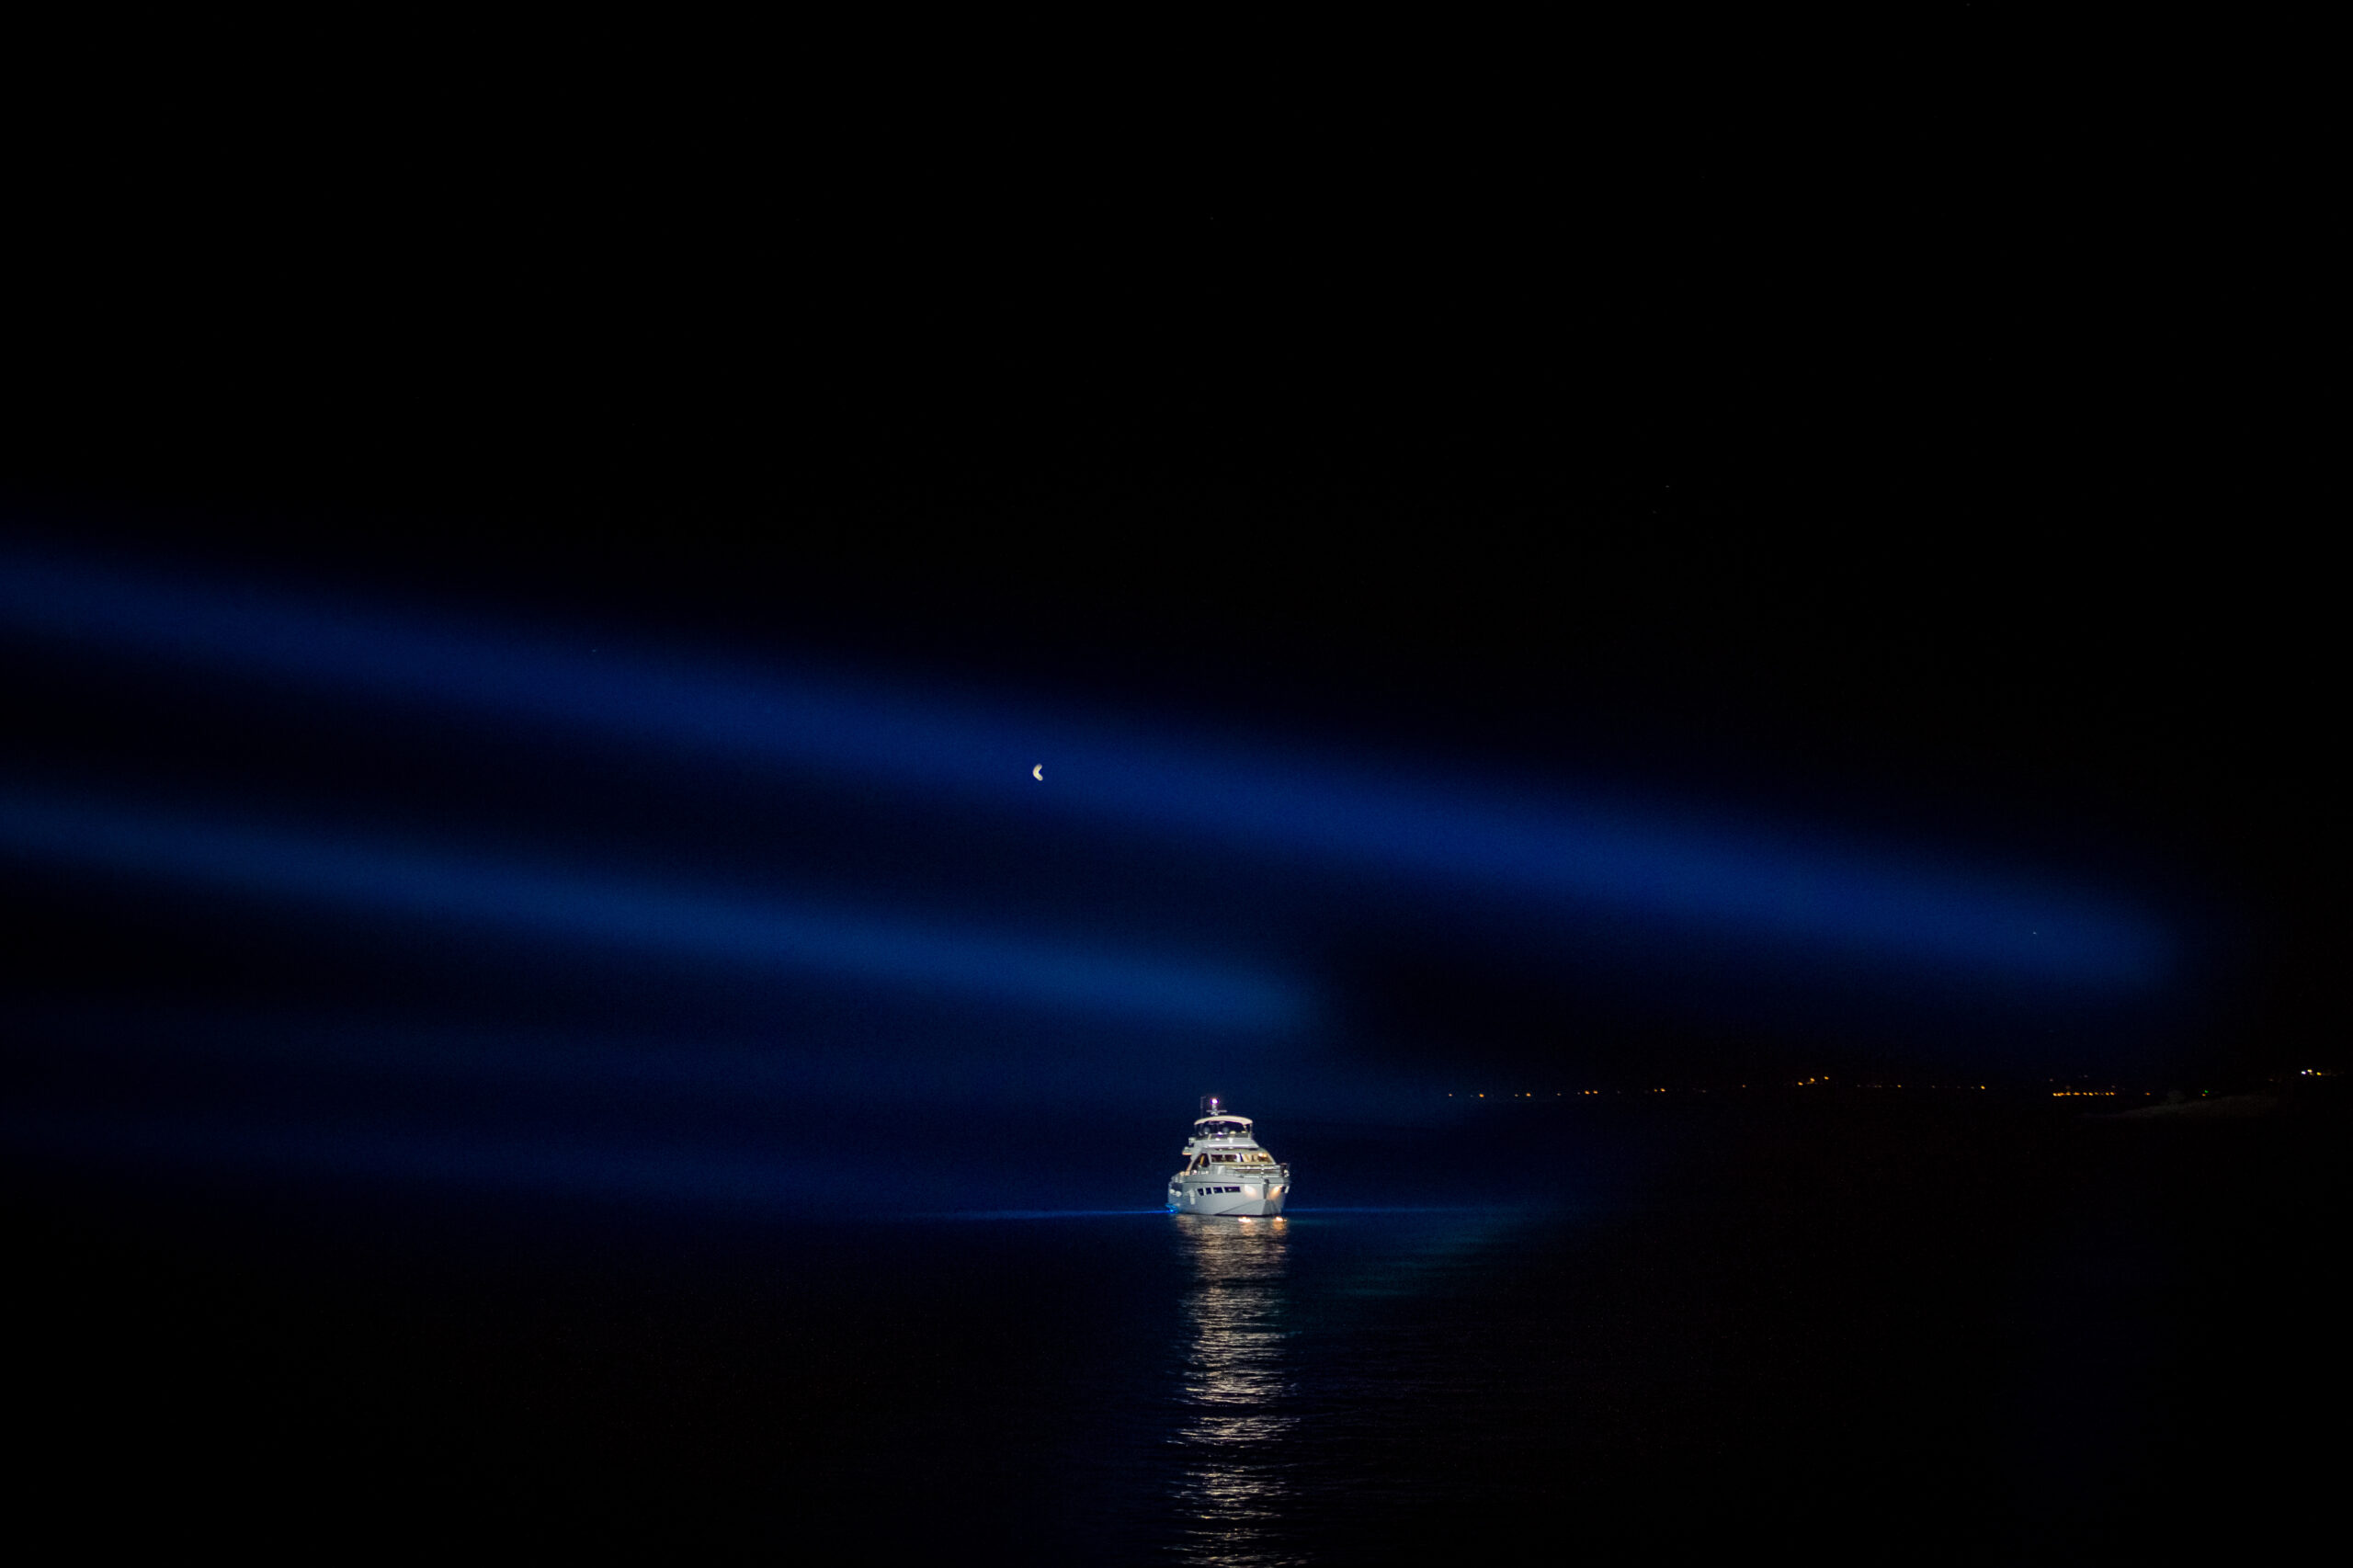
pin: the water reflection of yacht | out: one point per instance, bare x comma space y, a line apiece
1234, 1449
1225, 1171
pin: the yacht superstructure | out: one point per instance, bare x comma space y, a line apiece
1226, 1173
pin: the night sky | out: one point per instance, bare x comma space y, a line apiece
529, 620
1963, 516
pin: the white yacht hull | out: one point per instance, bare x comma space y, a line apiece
1208, 1201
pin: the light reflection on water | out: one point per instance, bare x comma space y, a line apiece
1237, 1392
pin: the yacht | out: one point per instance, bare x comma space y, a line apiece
1225, 1171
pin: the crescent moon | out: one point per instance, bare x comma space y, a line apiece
1039, 773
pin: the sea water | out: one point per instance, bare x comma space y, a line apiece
1915, 1335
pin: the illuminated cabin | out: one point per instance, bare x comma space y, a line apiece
1226, 1174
